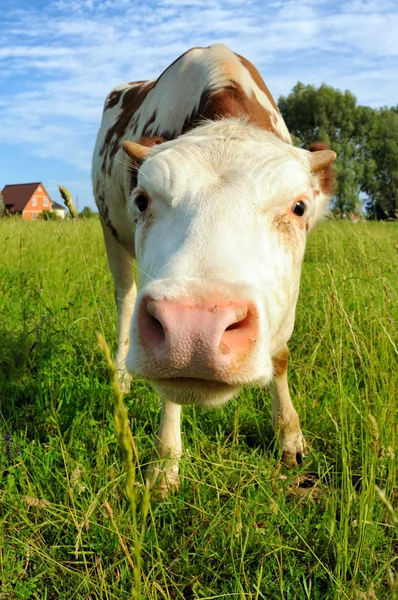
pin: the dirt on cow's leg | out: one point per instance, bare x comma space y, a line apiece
121, 265
284, 416
162, 475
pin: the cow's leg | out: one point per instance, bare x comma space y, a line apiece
284, 416
121, 265
163, 472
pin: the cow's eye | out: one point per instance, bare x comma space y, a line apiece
141, 202
299, 208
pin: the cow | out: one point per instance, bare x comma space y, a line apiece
196, 178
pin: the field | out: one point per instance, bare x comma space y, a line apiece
242, 526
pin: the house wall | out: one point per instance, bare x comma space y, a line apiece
31, 211
60, 212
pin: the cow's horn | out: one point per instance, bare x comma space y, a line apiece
321, 159
135, 151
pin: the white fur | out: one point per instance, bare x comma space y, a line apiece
215, 195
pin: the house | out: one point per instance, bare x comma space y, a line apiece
26, 199
59, 210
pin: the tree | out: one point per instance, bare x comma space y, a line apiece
380, 178
328, 115
87, 213
1, 204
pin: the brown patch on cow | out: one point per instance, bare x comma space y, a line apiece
287, 229
148, 123
274, 119
104, 216
113, 99
262, 117
231, 101
326, 176
131, 102
280, 362
98, 190
258, 80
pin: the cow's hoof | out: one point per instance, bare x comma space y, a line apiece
162, 482
293, 450
292, 460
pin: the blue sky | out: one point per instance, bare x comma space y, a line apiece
59, 59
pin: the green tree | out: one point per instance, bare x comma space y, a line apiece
328, 115
380, 177
87, 213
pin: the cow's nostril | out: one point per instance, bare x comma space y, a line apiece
241, 314
237, 327
156, 324
237, 334
154, 330
159, 334
234, 326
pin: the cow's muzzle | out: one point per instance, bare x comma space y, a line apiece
209, 340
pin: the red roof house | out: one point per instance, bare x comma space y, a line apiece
26, 199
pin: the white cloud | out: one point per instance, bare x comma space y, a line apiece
30, 52
58, 63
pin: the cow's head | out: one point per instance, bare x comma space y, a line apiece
222, 215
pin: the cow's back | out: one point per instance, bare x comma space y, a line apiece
203, 83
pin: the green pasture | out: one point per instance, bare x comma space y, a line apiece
243, 526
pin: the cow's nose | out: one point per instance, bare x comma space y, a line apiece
197, 340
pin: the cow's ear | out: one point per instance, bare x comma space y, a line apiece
321, 161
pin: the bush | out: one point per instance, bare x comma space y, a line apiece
49, 215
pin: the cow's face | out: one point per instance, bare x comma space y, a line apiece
222, 216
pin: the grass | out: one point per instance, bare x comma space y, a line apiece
242, 526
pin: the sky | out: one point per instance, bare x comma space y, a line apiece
60, 58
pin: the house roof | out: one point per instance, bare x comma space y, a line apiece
16, 197
56, 206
